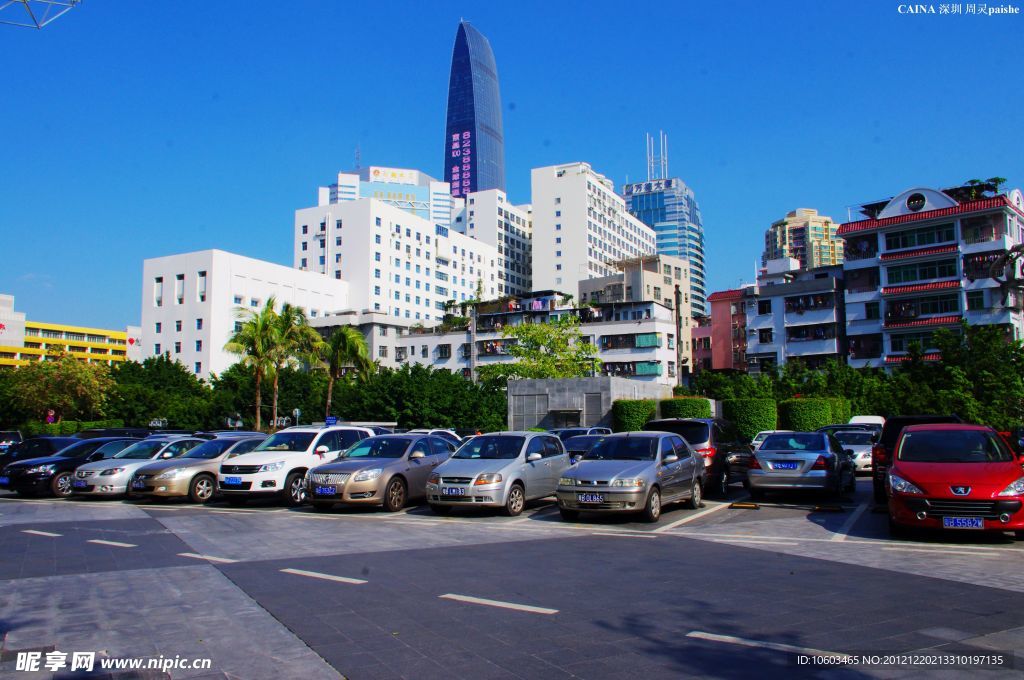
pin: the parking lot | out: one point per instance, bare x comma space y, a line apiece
727, 590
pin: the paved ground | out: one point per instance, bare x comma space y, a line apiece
269, 592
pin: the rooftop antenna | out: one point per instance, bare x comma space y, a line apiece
657, 161
38, 13
359, 159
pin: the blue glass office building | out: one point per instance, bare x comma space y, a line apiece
670, 208
474, 147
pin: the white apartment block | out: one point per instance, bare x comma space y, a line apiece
393, 261
410, 190
189, 302
488, 216
580, 227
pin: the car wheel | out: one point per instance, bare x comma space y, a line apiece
294, 489
60, 485
440, 509
516, 501
236, 500
394, 495
695, 496
322, 507
201, 489
569, 515
652, 508
722, 486
879, 491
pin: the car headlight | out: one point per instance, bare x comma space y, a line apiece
272, 467
169, 474
434, 478
1016, 488
487, 478
901, 485
110, 472
40, 468
632, 483
368, 475
566, 481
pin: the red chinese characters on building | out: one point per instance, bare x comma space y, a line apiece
461, 157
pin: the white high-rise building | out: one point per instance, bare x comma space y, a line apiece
581, 227
489, 217
410, 190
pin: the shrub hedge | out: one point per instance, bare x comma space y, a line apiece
750, 415
686, 407
630, 415
841, 410
66, 427
805, 415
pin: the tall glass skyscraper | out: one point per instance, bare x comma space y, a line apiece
474, 146
670, 208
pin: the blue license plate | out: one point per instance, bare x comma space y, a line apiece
325, 491
963, 523
785, 465
138, 484
453, 491
590, 498
4, 481
233, 481
79, 484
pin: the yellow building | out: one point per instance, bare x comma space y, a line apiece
22, 341
805, 236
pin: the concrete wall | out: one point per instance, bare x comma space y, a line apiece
567, 402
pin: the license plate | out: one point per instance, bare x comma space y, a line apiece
963, 523
234, 481
453, 491
785, 465
79, 484
4, 481
325, 491
590, 498
138, 484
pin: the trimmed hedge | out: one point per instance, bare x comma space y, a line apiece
66, 427
750, 416
686, 407
805, 415
680, 391
841, 410
630, 415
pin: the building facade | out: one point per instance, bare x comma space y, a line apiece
729, 329
474, 144
411, 190
581, 227
489, 217
670, 207
923, 260
805, 236
701, 339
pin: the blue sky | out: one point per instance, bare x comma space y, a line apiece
138, 129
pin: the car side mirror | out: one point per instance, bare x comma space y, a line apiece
670, 458
532, 457
321, 450
416, 454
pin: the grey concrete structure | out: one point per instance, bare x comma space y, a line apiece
569, 402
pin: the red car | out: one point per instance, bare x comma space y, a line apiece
955, 477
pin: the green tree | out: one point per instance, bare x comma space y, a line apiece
73, 389
545, 350
344, 349
255, 342
294, 342
164, 388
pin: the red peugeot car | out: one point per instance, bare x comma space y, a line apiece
954, 476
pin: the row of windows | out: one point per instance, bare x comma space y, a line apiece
179, 289
158, 327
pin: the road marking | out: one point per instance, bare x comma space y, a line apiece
326, 577
850, 521
979, 553
774, 646
690, 518
753, 540
116, 544
35, 532
498, 603
542, 511
209, 558
622, 533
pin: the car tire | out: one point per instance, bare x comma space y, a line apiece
696, 496
879, 492
236, 500
60, 485
652, 507
569, 515
293, 491
395, 495
322, 507
515, 502
440, 509
201, 489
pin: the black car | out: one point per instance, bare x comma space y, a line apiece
35, 447
716, 440
9, 438
882, 451
51, 475
578, 446
868, 427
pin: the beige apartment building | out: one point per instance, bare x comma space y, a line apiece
806, 236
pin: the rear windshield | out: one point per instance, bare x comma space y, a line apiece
486, 446
795, 441
953, 446
694, 432
287, 441
584, 443
565, 434
854, 437
624, 448
892, 428
210, 449
144, 449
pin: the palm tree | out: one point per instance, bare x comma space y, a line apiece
345, 347
294, 341
255, 343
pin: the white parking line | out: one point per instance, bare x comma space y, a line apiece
209, 558
850, 521
944, 551
539, 513
498, 603
622, 533
774, 646
326, 577
35, 532
116, 544
697, 515
755, 541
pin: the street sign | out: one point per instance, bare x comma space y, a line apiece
331, 420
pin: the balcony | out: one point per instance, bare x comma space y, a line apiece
985, 242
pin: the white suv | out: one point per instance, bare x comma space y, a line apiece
278, 465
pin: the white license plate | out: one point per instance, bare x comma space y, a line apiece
963, 523
589, 498
453, 491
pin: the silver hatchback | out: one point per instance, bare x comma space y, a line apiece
498, 470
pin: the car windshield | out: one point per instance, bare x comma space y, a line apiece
210, 449
287, 441
953, 446
584, 443
572, 432
854, 438
795, 441
693, 431
83, 448
485, 446
624, 448
378, 447
110, 448
144, 449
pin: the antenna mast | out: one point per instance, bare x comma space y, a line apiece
657, 161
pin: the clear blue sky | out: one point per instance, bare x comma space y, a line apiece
139, 129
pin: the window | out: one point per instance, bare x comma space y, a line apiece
382, 352
764, 336
198, 367
177, 348
156, 348
238, 326
444, 351
921, 271
302, 263
199, 324
305, 229
177, 326
377, 221
764, 306
337, 241
201, 286
871, 310
376, 290
305, 246
383, 331
158, 327
376, 257
199, 345
558, 213
376, 273
912, 238
975, 300
158, 291
238, 299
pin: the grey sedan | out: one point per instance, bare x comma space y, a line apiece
800, 460
633, 472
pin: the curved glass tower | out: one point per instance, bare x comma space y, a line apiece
474, 147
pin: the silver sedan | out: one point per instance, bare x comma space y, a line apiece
860, 442
800, 460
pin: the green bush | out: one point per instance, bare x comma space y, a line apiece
805, 415
630, 415
750, 416
536, 429
686, 407
68, 427
841, 410
680, 391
